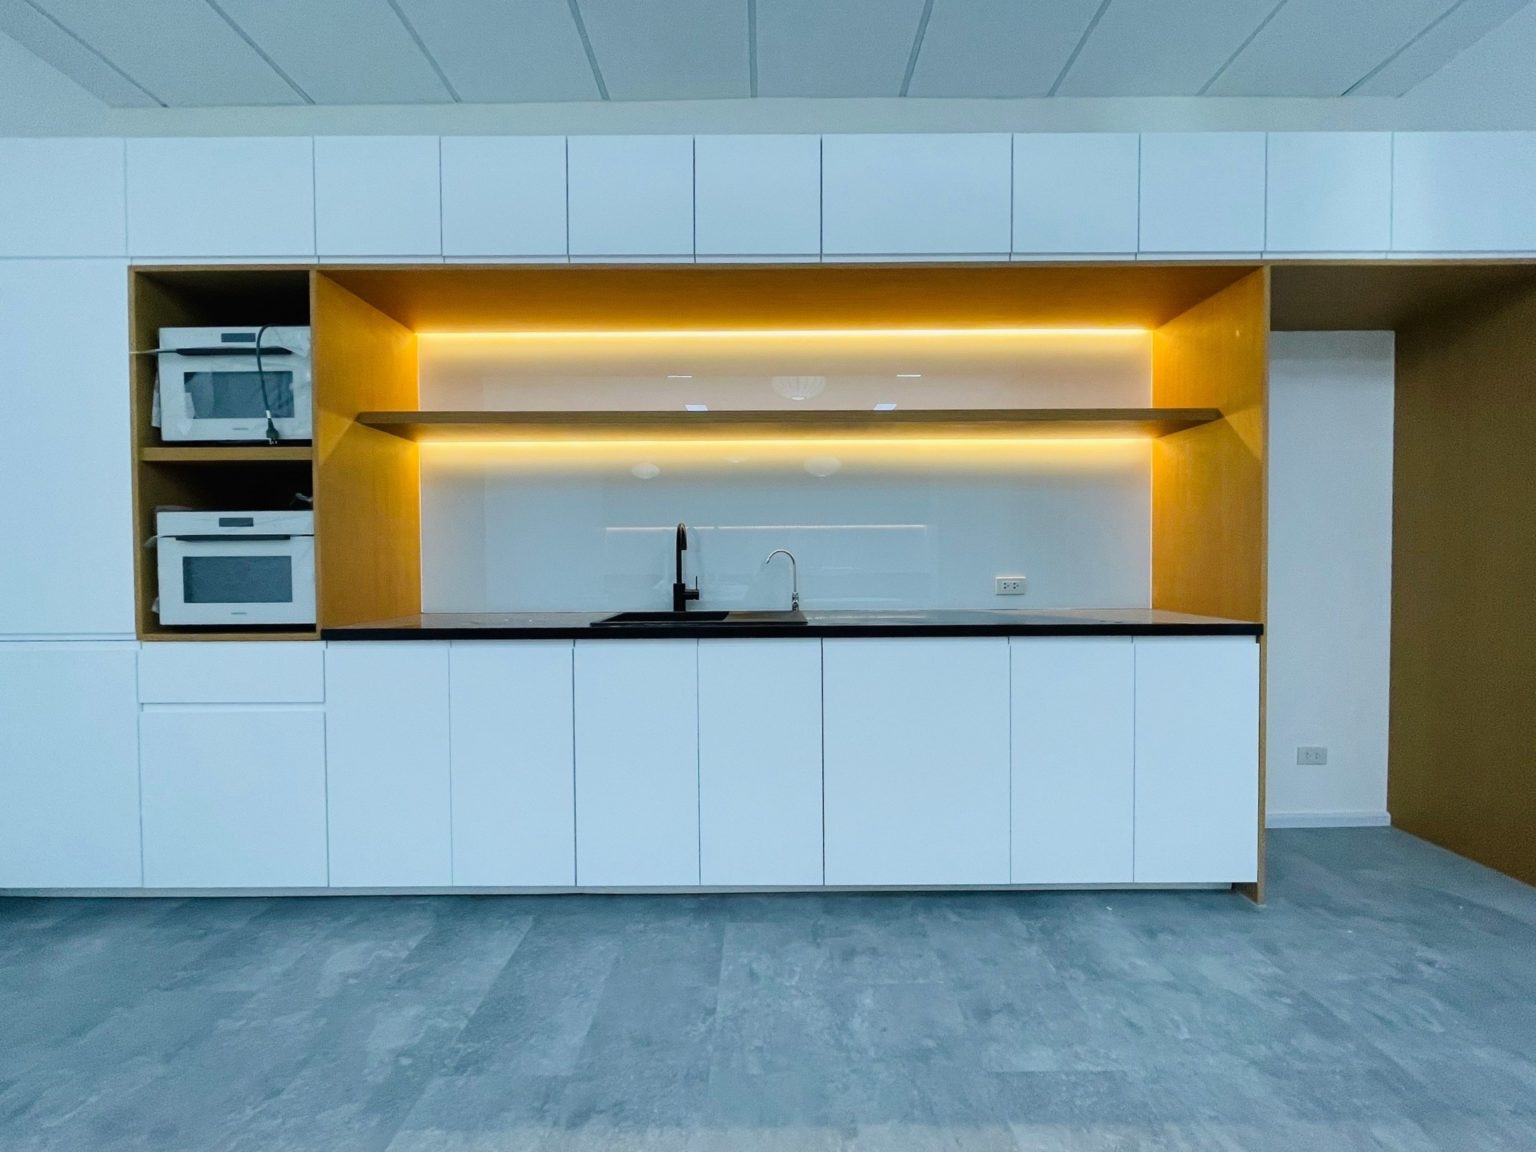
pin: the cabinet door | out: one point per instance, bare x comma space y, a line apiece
514, 807
233, 798
236, 673
61, 198
916, 195
66, 565
251, 197
386, 743
1202, 192
1074, 704
760, 762
916, 761
1464, 192
631, 196
1074, 193
504, 197
378, 196
1329, 192
69, 767
637, 763
1197, 760
757, 196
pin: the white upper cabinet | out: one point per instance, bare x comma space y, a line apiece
504, 197
1202, 193
1075, 193
631, 197
757, 196
66, 564
1464, 192
916, 195
378, 197
61, 198
69, 766
1329, 192
249, 197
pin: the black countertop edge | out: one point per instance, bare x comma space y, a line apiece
872, 630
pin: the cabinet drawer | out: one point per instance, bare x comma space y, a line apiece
235, 673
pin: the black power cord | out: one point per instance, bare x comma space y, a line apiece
261, 377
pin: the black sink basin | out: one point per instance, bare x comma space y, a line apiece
690, 619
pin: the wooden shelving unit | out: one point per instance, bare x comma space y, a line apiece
1003, 423
228, 454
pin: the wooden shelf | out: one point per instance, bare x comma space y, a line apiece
811, 424
228, 454
183, 634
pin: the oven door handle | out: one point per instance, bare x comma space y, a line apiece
229, 538
226, 351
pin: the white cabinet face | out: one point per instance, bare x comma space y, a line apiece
386, 740
1075, 193
1464, 192
69, 767
916, 195
233, 798
61, 198
760, 762
1197, 760
514, 807
67, 562
637, 763
234, 673
1329, 192
378, 196
1073, 759
916, 761
195, 198
1202, 192
631, 196
757, 196
504, 197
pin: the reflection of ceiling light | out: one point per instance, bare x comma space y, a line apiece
909, 375
886, 406
679, 377
645, 471
697, 407
799, 387
822, 465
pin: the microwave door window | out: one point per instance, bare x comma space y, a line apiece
237, 579
238, 395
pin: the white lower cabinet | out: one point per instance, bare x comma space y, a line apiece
386, 741
1073, 759
69, 766
1197, 759
233, 797
514, 810
916, 761
760, 762
637, 763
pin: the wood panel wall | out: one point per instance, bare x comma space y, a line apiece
367, 482
1209, 518
1462, 741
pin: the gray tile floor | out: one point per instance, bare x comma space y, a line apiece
1383, 1000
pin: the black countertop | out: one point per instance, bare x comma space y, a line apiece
943, 622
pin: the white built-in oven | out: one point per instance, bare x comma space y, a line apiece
236, 568
235, 384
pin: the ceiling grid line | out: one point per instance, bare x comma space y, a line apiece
256, 48
1412, 40
752, 47
1243, 47
586, 46
91, 48
421, 46
917, 46
1081, 44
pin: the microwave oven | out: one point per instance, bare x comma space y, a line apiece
222, 384
236, 567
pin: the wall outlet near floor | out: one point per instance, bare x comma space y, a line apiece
1311, 754
1008, 585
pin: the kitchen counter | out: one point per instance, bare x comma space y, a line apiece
941, 622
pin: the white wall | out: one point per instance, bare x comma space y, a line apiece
1330, 574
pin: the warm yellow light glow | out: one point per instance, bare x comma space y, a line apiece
632, 444
777, 333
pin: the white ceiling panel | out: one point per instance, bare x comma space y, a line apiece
1324, 47
53, 45
181, 50
1462, 27
834, 47
670, 49
341, 51
1161, 47
505, 51
998, 48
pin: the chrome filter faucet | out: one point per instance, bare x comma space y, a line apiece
794, 576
